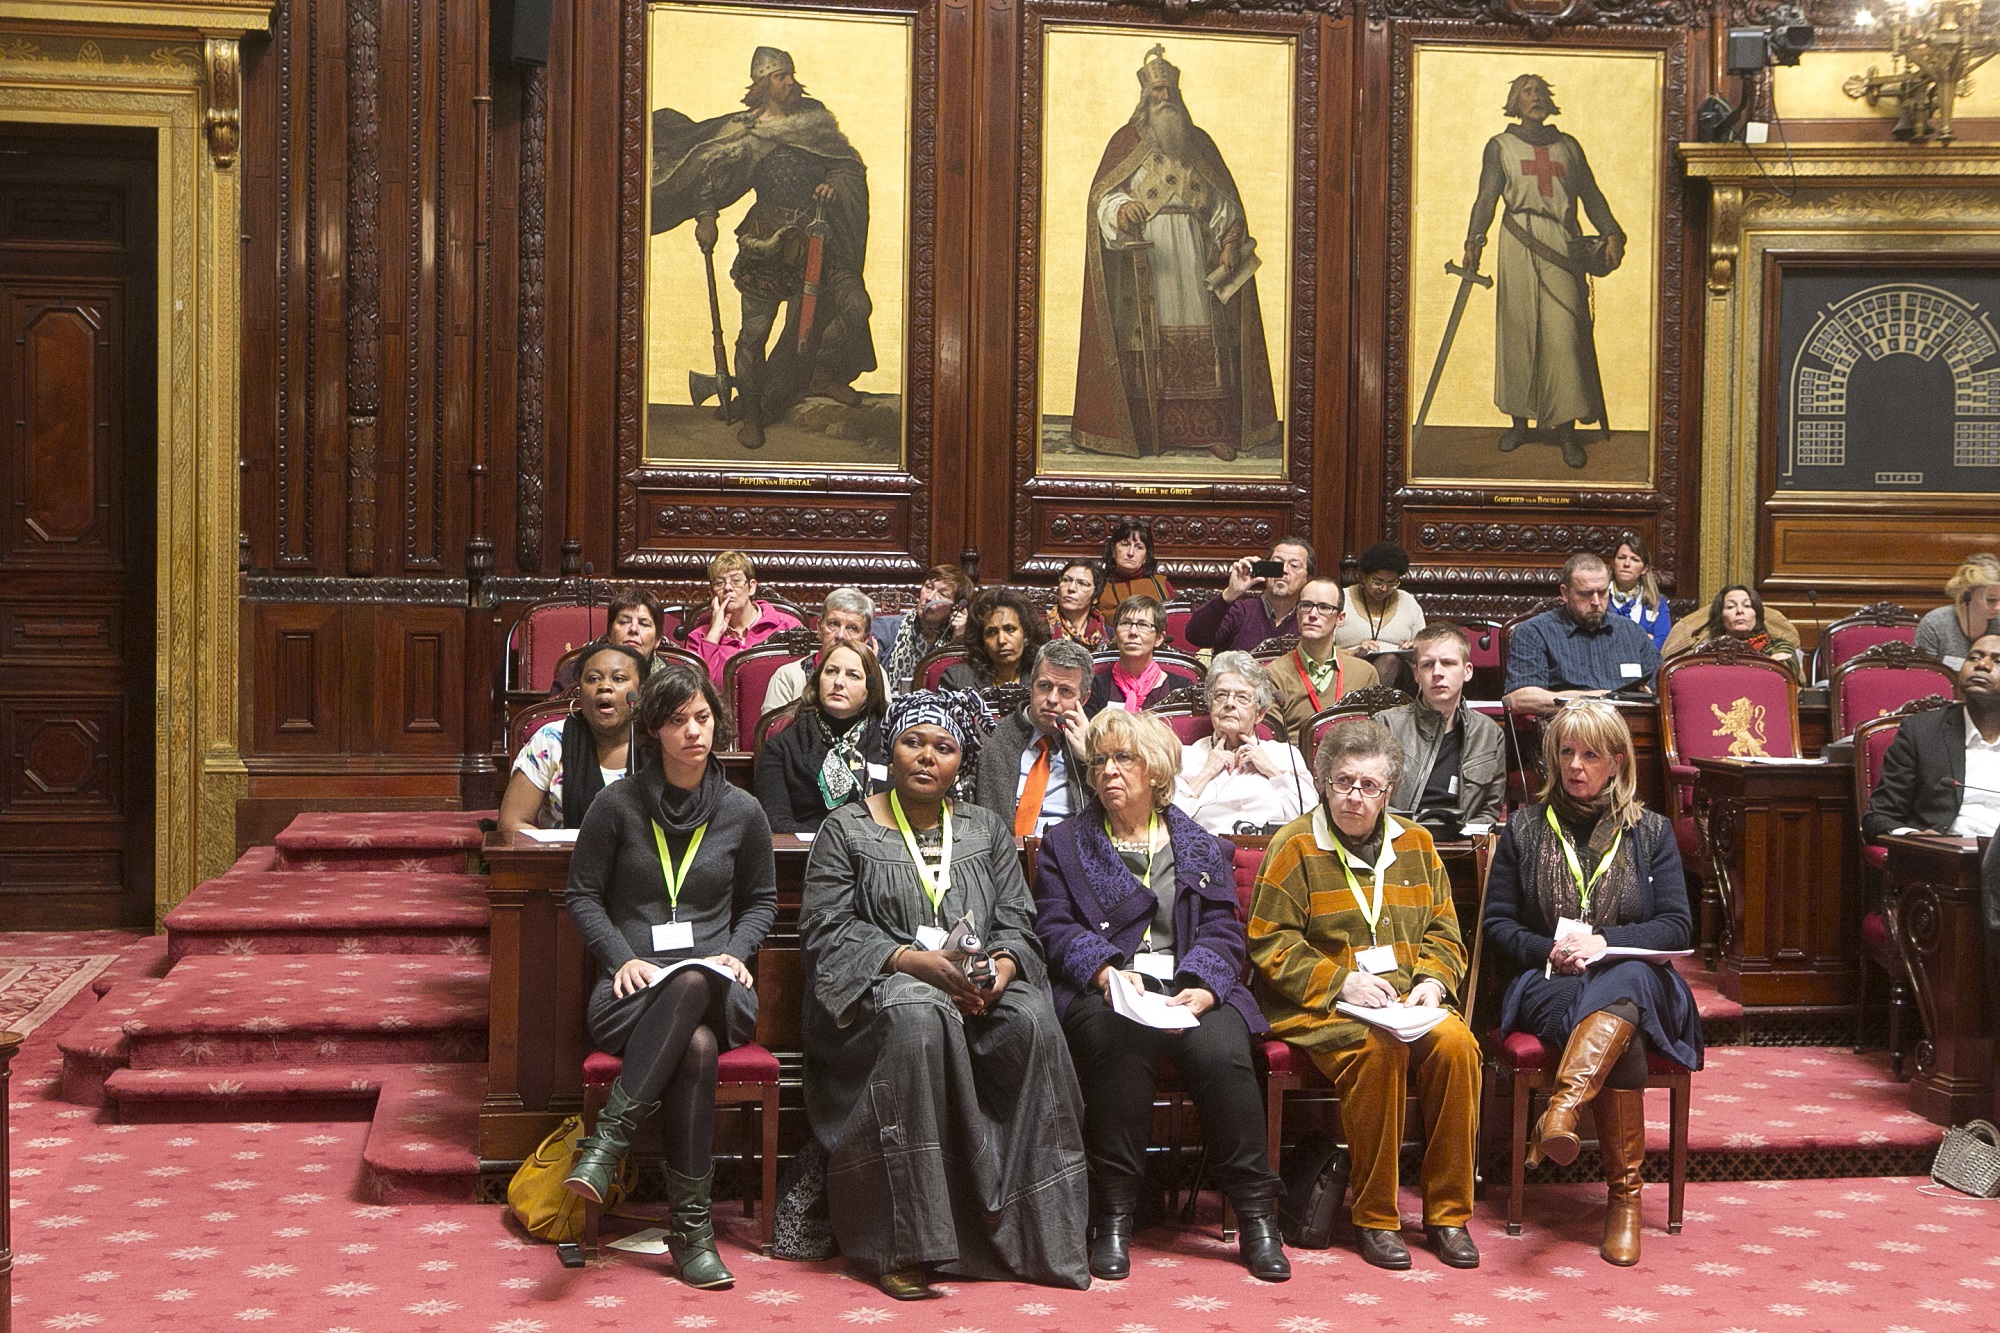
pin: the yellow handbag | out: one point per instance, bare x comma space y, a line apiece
536, 1195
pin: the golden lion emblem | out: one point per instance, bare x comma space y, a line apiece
1744, 725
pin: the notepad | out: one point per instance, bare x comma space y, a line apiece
1143, 1006
1628, 951
670, 968
1407, 1021
553, 835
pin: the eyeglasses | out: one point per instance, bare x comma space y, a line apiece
1318, 608
1138, 624
1367, 788
1384, 581
1116, 759
1234, 696
728, 581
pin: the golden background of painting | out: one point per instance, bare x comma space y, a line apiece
1238, 89
1611, 104
700, 66
1811, 90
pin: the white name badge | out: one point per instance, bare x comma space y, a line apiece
930, 937
1568, 926
1630, 670
1451, 785
669, 936
1147, 963
1378, 960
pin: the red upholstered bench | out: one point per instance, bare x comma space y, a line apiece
745, 1076
1528, 1067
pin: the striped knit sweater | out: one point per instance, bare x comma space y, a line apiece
1305, 927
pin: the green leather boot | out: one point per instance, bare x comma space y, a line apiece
691, 1236
598, 1156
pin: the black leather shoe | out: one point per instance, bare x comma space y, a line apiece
1114, 1201
1454, 1246
1261, 1248
1384, 1249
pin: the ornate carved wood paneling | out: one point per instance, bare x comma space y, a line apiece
532, 286
1034, 506
364, 278
295, 386
1467, 537
295, 693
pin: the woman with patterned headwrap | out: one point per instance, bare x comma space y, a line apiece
936, 1077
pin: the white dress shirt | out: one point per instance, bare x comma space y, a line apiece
1055, 801
1979, 806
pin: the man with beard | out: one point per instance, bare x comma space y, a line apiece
1171, 354
811, 188
1545, 350
1578, 648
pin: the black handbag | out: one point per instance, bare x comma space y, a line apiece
1314, 1172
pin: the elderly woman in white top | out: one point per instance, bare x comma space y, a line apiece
1230, 781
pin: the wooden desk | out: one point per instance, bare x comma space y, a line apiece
1785, 837
1931, 903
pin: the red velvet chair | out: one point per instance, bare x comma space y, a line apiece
1850, 636
771, 724
545, 632
1877, 681
529, 720
1488, 663
1353, 705
747, 675
1275, 647
1178, 612
1881, 951
1521, 1067
745, 1077
1189, 727
1755, 701
688, 619
1183, 671
931, 669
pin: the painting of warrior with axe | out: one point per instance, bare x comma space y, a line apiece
1542, 243
792, 384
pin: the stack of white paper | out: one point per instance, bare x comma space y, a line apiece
1143, 1006
1628, 951
672, 968
554, 835
1407, 1021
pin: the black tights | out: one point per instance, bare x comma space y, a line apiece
670, 1058
1629, 1070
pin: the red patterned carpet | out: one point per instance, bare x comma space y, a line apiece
224, 1226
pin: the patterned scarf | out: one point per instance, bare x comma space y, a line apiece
1616, 898
911, 647
840, 771
963, 713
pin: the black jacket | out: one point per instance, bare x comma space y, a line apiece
1923, 775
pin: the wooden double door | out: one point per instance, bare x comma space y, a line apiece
78, 383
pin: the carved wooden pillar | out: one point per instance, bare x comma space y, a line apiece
364, 280
10, 1043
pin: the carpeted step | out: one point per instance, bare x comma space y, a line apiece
312, 1010
422, 1147
95, 1046
343, 912
1721, 1017
144, 959
437, 840
234, 1093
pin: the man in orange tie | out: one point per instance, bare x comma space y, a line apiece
1031, 767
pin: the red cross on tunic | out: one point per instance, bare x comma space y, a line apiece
1545, 169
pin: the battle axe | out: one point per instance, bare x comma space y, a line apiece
1467, 277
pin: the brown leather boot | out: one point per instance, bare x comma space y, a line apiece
1593, 1048
1621, 1137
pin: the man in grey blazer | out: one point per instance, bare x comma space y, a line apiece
1040, 744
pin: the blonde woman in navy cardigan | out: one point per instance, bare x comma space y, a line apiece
1132, 885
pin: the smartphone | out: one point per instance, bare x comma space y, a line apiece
1266, 569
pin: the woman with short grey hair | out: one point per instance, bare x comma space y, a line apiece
1232, 781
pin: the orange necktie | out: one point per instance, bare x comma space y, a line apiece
1032, 791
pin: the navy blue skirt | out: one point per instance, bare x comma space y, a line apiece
1551, 1007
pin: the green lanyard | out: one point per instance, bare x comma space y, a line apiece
1371, 913
1152, 832
936, 887
1585, 887
676, 878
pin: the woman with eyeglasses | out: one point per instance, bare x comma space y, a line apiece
1353, 908
1129, 567
1135, 682
1075, 614
1584, 868
1231, 781
1380, 620
1130, 893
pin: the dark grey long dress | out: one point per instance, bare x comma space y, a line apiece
951, 1141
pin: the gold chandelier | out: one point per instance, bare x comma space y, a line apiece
1934, 46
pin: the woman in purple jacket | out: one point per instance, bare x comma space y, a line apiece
1132, 893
